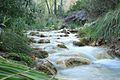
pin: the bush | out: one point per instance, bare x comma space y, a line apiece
12, 42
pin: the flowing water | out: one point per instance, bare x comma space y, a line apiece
101, 67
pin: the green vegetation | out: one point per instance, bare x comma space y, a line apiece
103, 21
14, 71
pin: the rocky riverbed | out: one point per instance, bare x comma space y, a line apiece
71, 62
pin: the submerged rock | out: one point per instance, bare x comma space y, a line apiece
103, 56
44, 41
71, 62
61, 46
45, 66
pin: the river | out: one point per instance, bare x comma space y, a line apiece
101, 67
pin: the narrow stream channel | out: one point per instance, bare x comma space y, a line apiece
101, 67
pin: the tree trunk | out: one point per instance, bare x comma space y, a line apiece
61, 7
55, 7
47, 6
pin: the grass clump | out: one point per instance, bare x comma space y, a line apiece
12, 42
106, 27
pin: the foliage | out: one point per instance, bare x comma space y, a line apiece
13, 42
107, 27
99, 7
21, 57
95, 8
80, 4
13, 71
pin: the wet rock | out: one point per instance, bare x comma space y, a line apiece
45, 66
73, 30
65, 31
33, 33
32, 40
44, 41
114, 53
39, 53
85, 41
61, 46
78, 43
41, 35
71, 62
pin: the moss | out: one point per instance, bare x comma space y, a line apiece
61, 46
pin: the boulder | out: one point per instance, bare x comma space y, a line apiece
44, 41
76, 61
45, 66
61, 46
81, 15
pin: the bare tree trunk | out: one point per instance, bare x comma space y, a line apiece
55, 7
61, 7
47, 6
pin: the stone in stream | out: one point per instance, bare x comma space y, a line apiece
33, 33
73, 30
31, 40
71, 62
44, 41
61, 46
41, 35
78, 43
39, 53
45, 66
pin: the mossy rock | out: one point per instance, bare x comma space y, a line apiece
78, 43
71, 62
61, 46
45, 66
43, 41
85, 41
39, 53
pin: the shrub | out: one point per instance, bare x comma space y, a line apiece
12, 42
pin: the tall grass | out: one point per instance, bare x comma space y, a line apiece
107, 27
